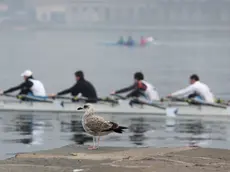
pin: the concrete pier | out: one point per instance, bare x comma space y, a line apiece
76, 158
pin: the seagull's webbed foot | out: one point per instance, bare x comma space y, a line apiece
92, 148
94, 144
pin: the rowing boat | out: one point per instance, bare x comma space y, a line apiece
124, 45
122, 108
149, 40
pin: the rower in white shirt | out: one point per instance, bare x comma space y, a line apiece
30, 86
197, 89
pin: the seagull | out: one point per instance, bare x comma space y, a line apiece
97, 126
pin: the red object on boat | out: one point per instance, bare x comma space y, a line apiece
143, 42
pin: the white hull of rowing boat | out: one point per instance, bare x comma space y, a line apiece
122, 108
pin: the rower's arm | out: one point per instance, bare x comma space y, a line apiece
69, 90
189, 90
133, 93
25, 85
126, 89
12, 89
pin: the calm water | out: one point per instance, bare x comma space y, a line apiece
31, 132
55, 56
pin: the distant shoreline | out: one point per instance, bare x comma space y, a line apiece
115, 28
139, 28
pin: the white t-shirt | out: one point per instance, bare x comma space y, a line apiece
37, 88
198, 88
150, 93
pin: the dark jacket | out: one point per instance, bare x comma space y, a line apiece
84, 87
24, 87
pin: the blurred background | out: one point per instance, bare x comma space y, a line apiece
54, 38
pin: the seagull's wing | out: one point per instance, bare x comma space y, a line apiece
97, 124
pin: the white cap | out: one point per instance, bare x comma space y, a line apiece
27, 73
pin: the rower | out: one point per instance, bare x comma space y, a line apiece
82, 86
121, 41
140, 88
197, 90
30, 86
130, 41
143, 41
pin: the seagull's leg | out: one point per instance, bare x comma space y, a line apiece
98, 140
90, 147
94, 144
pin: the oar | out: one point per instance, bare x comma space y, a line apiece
199, 102
222, 102
119, 96
30, 98
62, 97
106, 99
8, 95
170, 111
34, 99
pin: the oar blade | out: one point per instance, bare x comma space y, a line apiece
228, 109
171, 111
59, 103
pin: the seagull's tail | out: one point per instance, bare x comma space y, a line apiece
119, 129
115, 128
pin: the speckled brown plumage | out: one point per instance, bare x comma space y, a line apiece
96, 125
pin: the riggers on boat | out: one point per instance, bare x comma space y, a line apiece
121, 108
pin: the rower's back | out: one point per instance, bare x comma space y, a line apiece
86, 89
204, 91
150, 92
38, 88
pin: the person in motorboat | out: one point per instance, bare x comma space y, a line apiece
121, 41
140, 88
82, 86
30, 87
130, 41
196, 90
143, 41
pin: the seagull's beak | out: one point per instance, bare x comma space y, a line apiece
80, 108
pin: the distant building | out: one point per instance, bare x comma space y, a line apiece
55, 13
17, 9
49, 10
133, 12
3, 9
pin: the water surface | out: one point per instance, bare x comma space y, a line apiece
23, 132
54, 57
